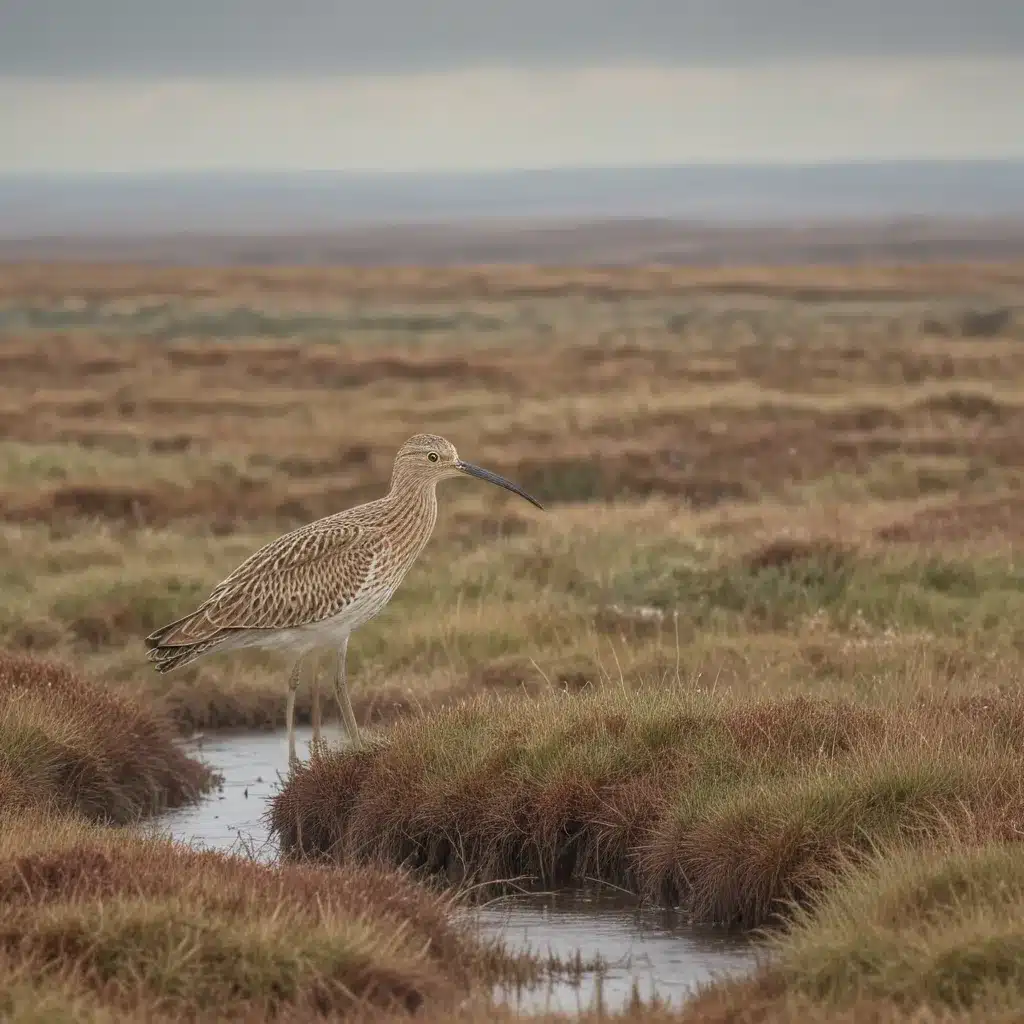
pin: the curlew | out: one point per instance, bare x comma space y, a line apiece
312, 587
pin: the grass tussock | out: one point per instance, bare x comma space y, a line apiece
147, 928
933, 934
733, 810
72, 745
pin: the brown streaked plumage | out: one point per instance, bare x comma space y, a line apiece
312, 587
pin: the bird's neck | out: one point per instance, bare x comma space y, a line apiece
412, 507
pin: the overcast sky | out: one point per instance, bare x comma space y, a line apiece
416, 84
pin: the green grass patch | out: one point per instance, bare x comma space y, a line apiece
776, 586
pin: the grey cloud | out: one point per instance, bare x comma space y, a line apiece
71, 38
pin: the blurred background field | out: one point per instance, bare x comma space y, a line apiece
762, 481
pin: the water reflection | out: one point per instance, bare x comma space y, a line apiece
253, 766
644, 949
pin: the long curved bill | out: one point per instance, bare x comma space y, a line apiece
485, 474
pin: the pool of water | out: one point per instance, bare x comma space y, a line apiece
643, 948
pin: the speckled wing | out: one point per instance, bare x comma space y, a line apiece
300, 578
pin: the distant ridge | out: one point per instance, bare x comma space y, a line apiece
555, 243
121, 206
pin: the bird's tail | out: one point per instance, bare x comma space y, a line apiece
175, 655
167, 656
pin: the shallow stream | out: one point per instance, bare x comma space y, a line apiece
653, 950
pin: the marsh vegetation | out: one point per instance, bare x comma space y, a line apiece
762, 658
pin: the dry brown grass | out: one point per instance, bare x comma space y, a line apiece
733, 811
145, 928
925, 935
49, 282
69, 744
98, 923
765, 485
158, 425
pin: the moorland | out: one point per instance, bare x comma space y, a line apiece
761, 657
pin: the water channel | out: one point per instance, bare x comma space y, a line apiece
651, 950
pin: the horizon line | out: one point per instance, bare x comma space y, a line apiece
716, 165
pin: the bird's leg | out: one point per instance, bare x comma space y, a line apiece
341, 693
293, 685
315, 746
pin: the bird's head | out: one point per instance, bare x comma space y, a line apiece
429, 458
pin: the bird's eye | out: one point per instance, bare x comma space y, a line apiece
432, 456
